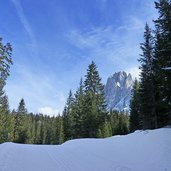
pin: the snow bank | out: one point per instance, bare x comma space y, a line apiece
140, 151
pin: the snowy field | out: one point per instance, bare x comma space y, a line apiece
140, 151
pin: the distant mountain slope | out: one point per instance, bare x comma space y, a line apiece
118, 91
140, 151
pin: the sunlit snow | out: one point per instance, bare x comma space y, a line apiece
140, 151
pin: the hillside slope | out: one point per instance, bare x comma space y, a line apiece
140, 151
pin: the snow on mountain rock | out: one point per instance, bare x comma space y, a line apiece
140, 151
118, 91
118, 84
167, 68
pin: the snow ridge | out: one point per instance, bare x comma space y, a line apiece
148, 150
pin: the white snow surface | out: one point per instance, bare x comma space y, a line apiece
140, 151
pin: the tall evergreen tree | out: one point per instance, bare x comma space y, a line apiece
22, 108
5, 62
94, 102
78, 112
135, 118
162, 60
20, 135
5, 124
146, 90
68, 117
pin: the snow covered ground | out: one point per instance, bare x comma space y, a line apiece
140, 151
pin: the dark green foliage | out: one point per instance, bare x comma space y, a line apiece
5, 62
123, 126
135, 117
68, 117
94, 102
60, 132
155, 80
162, 60
5, 121
78, 115
114, 120
5, 125
20, 130
146, 88
105, 130
119, 122
21, 108
85, 114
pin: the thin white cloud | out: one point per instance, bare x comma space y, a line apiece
131, 23
117, 45
38, 90
135, 72
24, 21
48, 111
120, 46
117, 48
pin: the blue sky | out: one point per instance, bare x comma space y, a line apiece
54, 41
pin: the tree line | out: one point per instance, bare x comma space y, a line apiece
84, 115
151, 101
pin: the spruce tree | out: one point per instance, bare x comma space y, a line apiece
5, 62
5, 122
68, 117
20, 135
135, 117
78, 112
162, 60
146, 89
94, 102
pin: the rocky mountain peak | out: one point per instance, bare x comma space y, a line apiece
118, 91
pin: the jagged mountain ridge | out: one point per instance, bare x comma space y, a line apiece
118, 91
